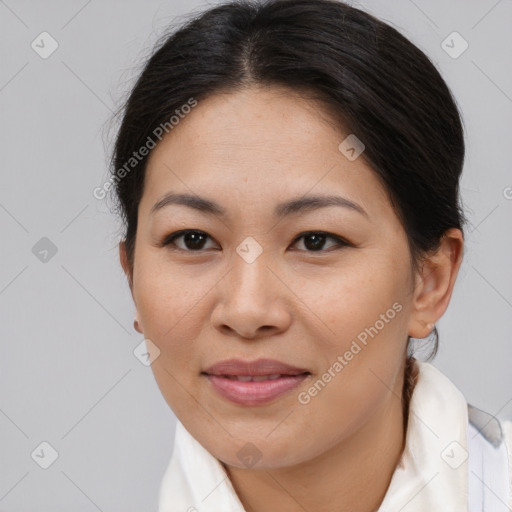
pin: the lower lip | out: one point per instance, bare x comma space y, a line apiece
254, 392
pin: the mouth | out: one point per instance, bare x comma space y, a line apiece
258, 378
254, 383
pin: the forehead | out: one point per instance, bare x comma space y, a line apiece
259, 144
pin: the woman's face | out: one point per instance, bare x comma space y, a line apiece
251, 287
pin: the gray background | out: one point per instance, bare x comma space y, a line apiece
68, 375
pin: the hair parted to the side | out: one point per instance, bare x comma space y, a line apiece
373, 82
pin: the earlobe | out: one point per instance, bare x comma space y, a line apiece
435, 284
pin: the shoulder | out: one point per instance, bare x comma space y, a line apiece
488, 426
507, 434
485, 440
490, 459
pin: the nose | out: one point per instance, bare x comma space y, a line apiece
252, 301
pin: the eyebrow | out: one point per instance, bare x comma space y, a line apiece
291, 207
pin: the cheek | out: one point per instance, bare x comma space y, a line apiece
366, 311
171, 308
361, 361
167, 296
362, 351
368, 293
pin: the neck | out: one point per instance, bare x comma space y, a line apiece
352, 475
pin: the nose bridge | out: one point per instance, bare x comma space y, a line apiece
249, 283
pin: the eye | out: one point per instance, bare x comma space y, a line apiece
314, 241
193, 240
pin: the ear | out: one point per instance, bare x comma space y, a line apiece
434, 283
123, 257
128, 270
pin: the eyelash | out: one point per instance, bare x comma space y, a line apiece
169, 240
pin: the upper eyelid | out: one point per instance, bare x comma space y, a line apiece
173, 236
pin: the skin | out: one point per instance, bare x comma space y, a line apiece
248, 151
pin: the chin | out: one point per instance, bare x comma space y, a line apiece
252, 452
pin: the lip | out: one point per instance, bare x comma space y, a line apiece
259, 367
251, 393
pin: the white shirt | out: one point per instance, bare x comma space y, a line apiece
434, 473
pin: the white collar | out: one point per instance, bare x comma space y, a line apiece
423, 481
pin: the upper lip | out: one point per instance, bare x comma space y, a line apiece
253, 368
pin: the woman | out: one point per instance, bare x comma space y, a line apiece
288, 173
